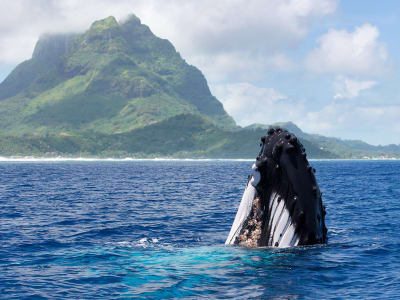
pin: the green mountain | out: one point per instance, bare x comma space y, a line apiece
117, 90
111, 79
181, 136
338, 147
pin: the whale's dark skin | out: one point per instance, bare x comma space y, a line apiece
284, 169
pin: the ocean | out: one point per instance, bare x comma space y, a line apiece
156, 229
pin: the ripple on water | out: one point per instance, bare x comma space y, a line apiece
149, 229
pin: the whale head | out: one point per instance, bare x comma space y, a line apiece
282, 203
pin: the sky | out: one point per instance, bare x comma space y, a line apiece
329, 66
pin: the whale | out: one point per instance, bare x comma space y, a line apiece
282, 204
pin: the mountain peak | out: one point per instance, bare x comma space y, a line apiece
104, 24
103, 28
131, 20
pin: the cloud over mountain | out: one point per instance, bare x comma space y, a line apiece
201, 30
316, 52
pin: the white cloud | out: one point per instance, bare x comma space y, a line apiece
239, 66
281, 62
219, 26
200, 30
250, 104
351, 53
343, 119
233, 38
350, 88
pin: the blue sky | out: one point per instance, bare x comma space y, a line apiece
330, 66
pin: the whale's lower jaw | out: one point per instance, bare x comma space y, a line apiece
261, 222
277, 231
282, 204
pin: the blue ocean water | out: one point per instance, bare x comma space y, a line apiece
156, 229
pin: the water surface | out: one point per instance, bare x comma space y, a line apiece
156, 229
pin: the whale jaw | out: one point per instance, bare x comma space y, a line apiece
282, 204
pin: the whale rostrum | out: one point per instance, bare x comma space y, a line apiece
282, 203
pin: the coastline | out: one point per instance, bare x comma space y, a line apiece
161, 159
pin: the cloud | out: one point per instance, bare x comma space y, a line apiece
234, 38
281, 62
225, 25
351, 53
241, 66
343, 119
250, 104
201, 30
349, 88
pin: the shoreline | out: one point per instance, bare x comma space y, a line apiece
161, 159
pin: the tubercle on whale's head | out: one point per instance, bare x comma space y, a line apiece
282, 164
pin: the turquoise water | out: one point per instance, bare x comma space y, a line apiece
156, 229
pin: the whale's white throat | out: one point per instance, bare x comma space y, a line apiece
282, 231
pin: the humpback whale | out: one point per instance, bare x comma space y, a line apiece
282, 203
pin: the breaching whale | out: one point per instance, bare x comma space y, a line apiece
282, 203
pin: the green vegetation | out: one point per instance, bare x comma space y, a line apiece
111, 79
118, 90
185, 135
